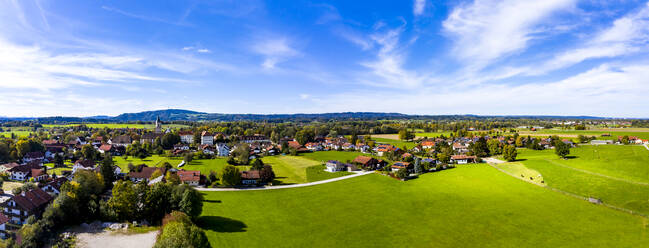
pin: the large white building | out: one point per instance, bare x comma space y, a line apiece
207, 138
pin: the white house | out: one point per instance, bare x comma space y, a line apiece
207, 138
333, 166
186, 137
462, 159
222, 150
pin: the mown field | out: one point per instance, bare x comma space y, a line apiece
618, 175
20, 133
642, 133
470, 206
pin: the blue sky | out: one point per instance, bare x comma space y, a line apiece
515, 57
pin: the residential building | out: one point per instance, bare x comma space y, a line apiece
207, 138
462, 159
145, 173
334, 166
252, 177
186, 137
122, 140
26, 204
222, 150
192, 178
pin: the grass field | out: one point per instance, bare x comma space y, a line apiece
642, 133
317, 173
17, 133
153, 161
397, 143
619, 175
290, 169
470, 206
325, 156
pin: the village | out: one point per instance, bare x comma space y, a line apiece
37, 188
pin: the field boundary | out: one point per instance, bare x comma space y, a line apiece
587, 199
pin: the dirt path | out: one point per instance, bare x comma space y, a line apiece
357, 174
115, 240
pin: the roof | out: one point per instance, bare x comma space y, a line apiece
106, 147
35, 155
189, 176
363, 159
250, 175
85, 163
457, 157
294, 144
146, 172
25, 168
57, 183
400, 165
122, 139
33, 199
10, 165
38, 172
150, 136
183, 133
206, 133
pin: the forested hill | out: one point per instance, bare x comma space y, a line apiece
187, 115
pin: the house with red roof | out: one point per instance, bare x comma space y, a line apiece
192, 178
26, 204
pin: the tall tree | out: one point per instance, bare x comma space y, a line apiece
561, 149
230, 176
510, 153
107, 170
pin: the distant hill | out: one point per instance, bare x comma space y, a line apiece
188, 115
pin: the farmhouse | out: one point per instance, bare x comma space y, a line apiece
368, 162
145, 173
190, 177
85, 164
23, 172
250, 177
427, 144
26, 204
462, 159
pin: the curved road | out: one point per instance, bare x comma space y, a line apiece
356, 174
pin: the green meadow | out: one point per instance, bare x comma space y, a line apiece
397, 143
469, 206
616, 174
642, 133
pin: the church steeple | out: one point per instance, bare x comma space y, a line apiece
158, 128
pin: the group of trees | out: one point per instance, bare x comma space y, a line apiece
143, 202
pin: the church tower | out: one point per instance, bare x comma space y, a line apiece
158, 128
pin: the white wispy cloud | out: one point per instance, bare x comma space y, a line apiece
418, 7
180, 22
628, 34
274, 50
488, 30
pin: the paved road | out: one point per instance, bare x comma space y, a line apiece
645, 146
493, 161
356, 174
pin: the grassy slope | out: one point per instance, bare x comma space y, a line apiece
324, 156
318, 173
616, 174
471, 206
